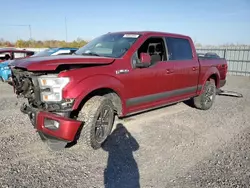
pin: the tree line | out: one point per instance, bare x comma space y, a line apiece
43, 44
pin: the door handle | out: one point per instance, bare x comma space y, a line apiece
169, 71
194, 68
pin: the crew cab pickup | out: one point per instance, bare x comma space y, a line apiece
76, 97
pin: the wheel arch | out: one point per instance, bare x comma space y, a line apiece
214, 77
115, 97
212, 73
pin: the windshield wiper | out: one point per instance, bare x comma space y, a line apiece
91, 53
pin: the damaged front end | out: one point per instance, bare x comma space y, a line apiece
43, 92
48, 111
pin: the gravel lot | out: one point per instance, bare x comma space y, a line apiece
177, 146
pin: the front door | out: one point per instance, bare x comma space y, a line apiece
149, 87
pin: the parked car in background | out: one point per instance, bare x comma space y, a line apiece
10, 54
7, 55
56, 51
13, 53
5, 71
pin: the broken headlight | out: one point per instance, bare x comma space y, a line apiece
51, 87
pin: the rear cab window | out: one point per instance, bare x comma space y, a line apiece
179, 49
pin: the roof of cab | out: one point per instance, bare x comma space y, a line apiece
150, 32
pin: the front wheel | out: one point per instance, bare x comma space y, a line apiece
206, 99
97, 116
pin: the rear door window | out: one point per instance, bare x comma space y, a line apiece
179, 49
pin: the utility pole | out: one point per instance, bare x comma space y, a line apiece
66, 29
30, 32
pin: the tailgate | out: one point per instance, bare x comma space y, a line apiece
223, 68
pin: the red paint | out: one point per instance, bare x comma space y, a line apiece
67, 130
145, 58
49, 63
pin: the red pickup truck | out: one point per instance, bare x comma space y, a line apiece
77, 96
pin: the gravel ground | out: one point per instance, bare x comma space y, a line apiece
177, 146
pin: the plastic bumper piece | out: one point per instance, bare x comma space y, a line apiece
66, 130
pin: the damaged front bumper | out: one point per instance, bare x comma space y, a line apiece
51, 124
50, 118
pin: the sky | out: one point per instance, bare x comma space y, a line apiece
207, 22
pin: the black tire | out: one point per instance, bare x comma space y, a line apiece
206, 99
89, 114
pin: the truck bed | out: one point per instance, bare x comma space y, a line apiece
212, 59
208, 55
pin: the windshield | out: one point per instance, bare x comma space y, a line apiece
46, 52
109, 45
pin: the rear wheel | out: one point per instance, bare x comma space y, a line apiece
206, 99
97, 116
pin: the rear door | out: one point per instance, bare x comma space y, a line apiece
186, 67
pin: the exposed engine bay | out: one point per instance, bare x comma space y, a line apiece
26, 85
43, 91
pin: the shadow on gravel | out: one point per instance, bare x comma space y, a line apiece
189, 103
122, 170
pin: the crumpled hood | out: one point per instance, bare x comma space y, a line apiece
50, 63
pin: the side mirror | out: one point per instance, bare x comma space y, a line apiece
145, 60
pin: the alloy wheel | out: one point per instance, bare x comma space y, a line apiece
103, 124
